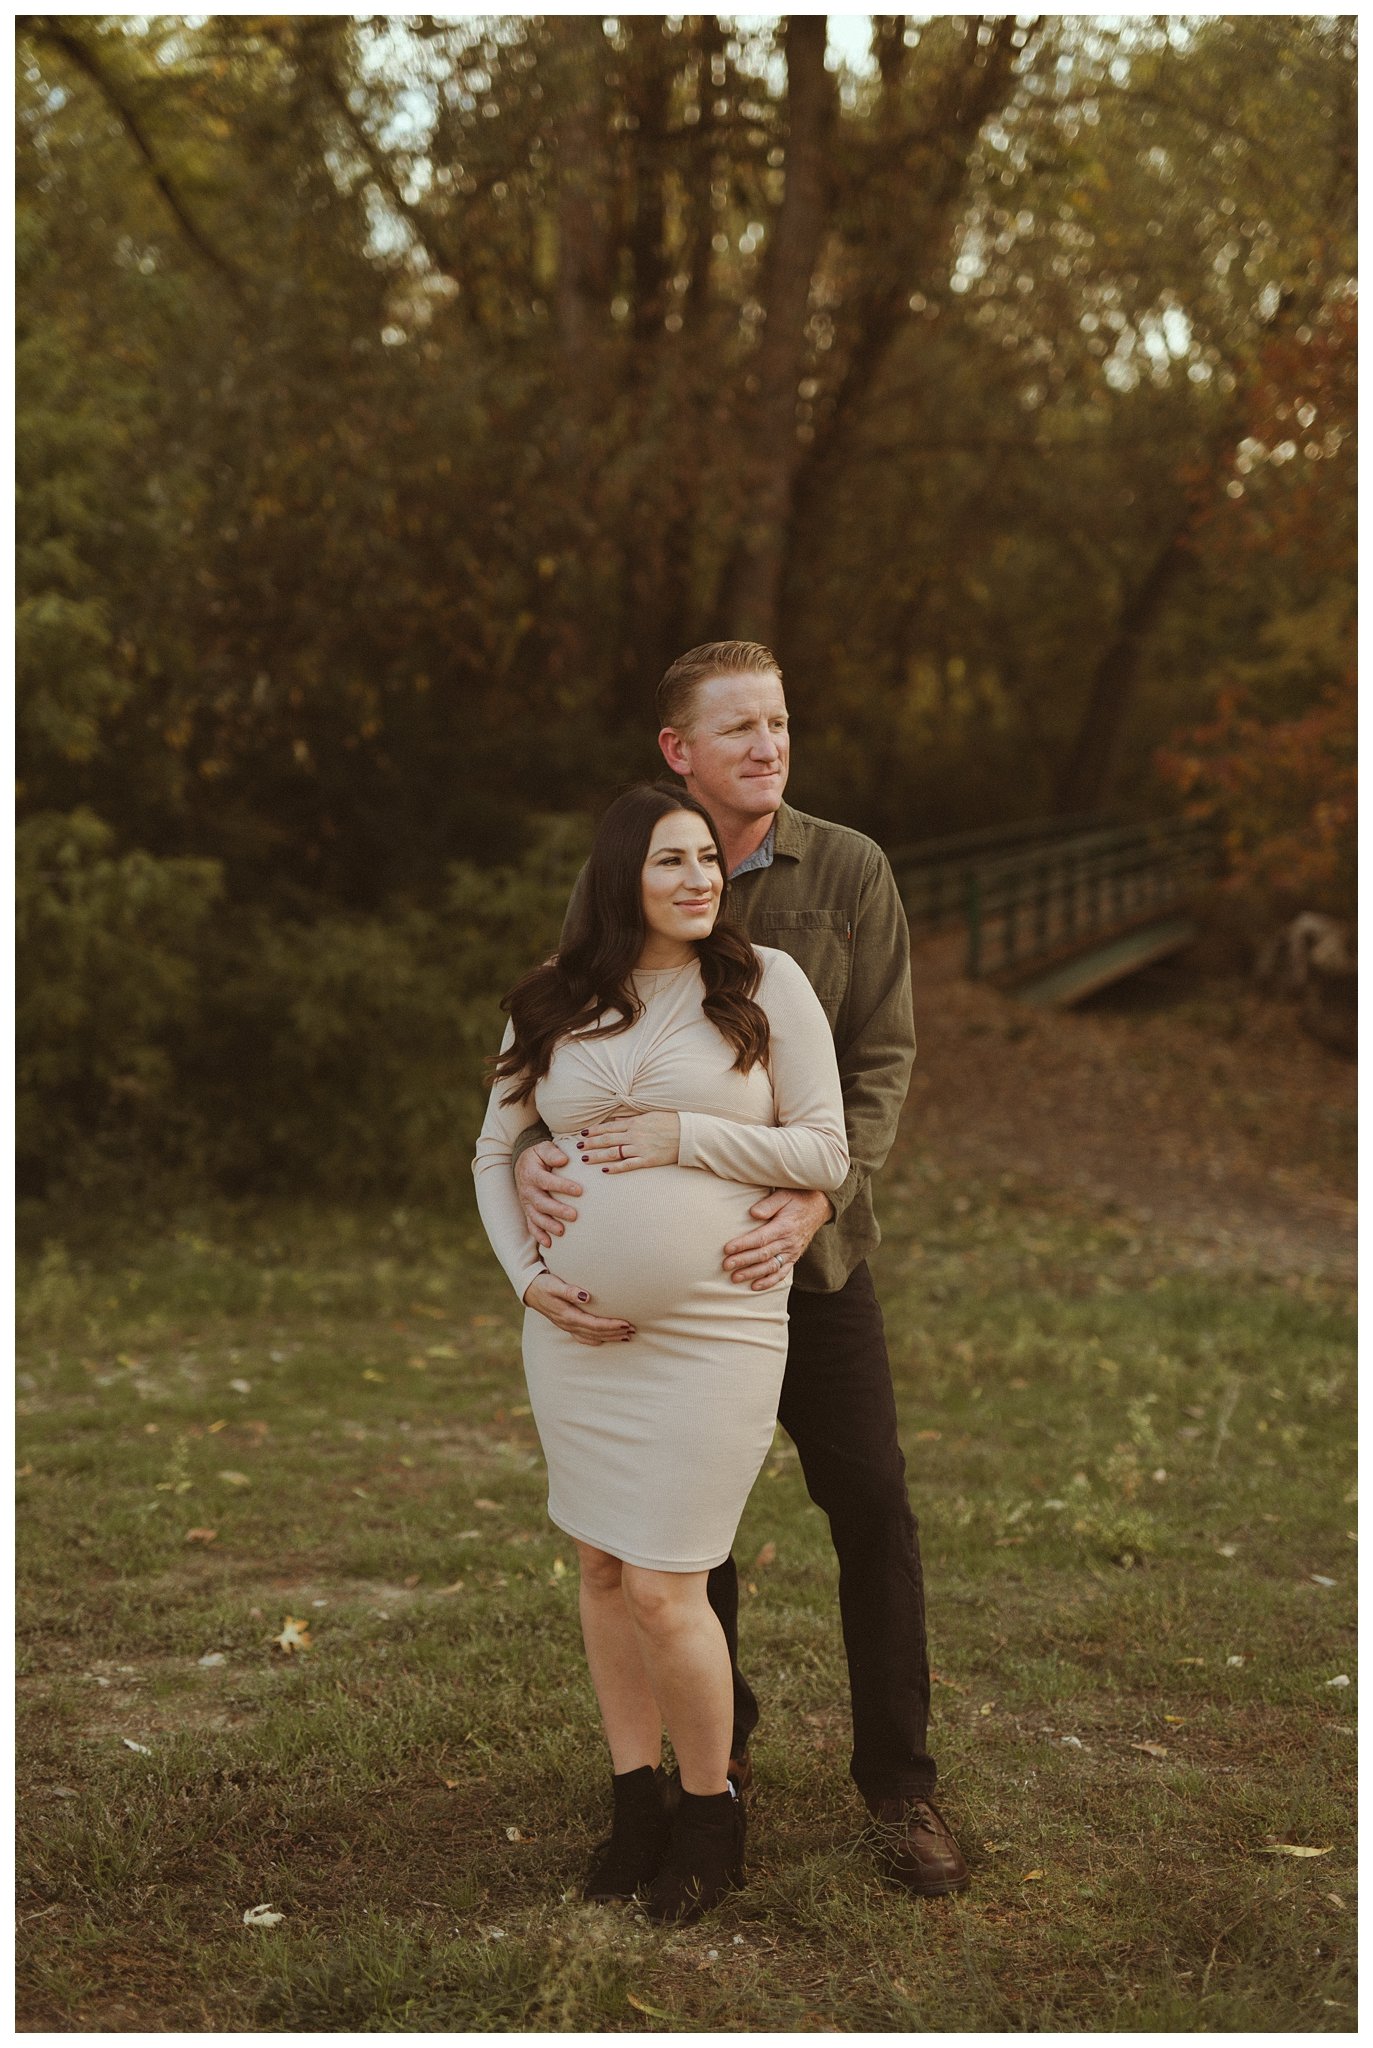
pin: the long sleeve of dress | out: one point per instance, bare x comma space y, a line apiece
493, 1169
806, 1148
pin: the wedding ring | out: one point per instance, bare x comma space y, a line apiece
620, 1150
777, 1260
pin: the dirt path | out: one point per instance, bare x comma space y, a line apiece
1198, 1107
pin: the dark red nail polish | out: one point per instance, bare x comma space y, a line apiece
583, 1297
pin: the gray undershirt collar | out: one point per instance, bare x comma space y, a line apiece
761, 858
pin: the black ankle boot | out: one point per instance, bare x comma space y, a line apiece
638, 1837
705, 1858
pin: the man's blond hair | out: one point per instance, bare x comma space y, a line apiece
677, 690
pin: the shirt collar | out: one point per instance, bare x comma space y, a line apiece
788, 833
761, 857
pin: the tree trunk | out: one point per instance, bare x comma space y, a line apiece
583, 175
1089, 773
749, 601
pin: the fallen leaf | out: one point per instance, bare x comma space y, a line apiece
952, 1683
1319, 1579
654, 2012
766, 1556
1150, 1748
523, 1409
483, 1322
211, 1658
362, 1493
1333, 1897
440, 1351
995, 1848
241, 1386
24, 1472
1236, 1662
411, 1579
380, 1377
456, 1587
235, 1478
451, 1784
1227, 1550
517, 1835
1071, 1741
262, 1916
141, 1747
201, 1535
986, 1707
215, 1427
295, 1635
1290, 1849
1176, 1720
1031, 1875
1343, 1679
417, 1363
928, 1436
1191, 1660
491, 1506
559, 1568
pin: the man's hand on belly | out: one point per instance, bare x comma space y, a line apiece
789, 1219
565, 1306
542, 1191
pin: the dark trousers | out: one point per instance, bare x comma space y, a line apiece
839, 1410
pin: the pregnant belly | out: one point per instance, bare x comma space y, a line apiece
644, 1243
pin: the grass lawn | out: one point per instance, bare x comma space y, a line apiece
1134, 1477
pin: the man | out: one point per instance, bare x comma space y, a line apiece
825, 895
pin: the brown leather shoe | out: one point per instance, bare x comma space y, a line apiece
915, 1845
741, 1773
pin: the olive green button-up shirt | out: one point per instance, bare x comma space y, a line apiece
828, 897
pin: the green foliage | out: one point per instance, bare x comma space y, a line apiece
346, 1053
108, 990
387, 395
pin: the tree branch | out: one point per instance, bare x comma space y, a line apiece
85, 61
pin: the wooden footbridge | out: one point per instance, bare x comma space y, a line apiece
1058, 908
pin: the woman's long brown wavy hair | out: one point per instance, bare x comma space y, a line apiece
588, 977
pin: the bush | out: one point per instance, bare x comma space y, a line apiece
257, 1053
107, 994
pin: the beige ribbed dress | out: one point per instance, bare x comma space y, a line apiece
652, 1445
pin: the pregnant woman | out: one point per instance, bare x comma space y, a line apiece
690, 1072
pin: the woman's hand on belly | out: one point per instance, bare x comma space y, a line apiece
645, 1137
567, 1307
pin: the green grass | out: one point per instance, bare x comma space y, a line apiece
1131, 1472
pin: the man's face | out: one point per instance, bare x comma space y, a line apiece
736, 754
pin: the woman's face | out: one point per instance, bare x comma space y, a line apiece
681, 880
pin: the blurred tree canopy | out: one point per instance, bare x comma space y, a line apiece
397, 395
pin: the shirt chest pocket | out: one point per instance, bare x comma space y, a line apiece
819, 941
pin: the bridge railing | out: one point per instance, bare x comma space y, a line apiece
933, 874
1027, 907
